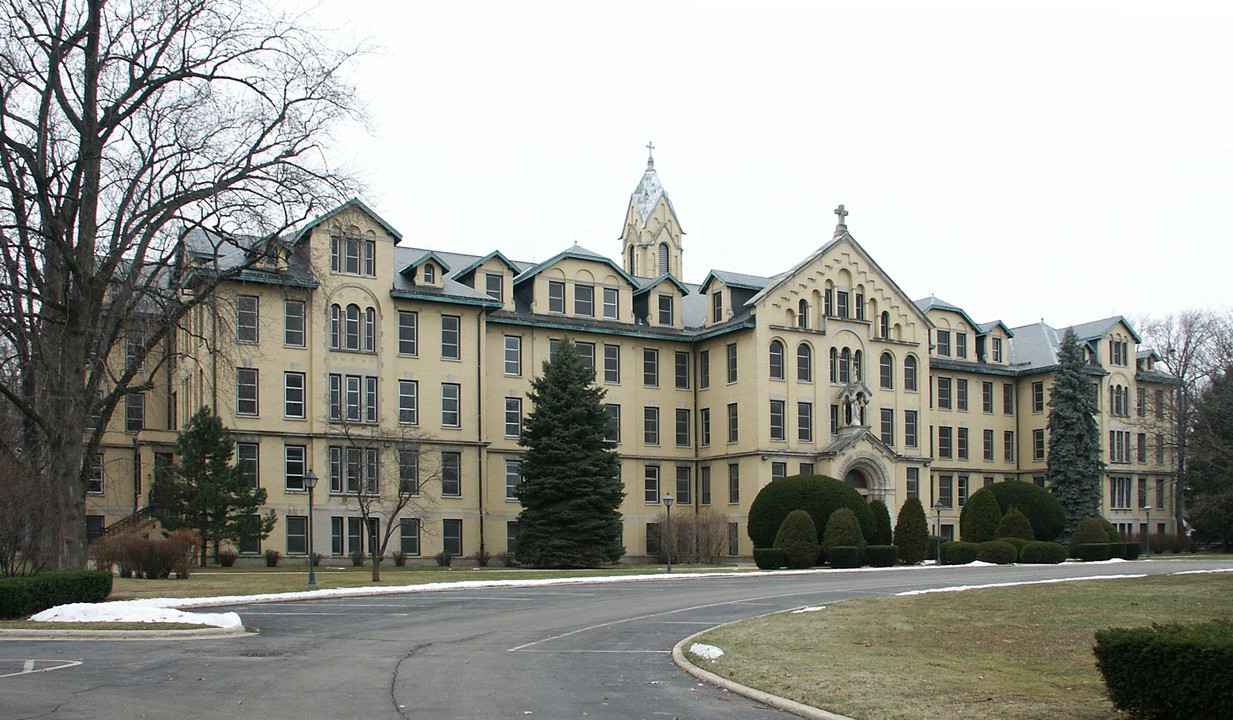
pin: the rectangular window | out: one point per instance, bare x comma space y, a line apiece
246, 391
336, 535
946, 491
584, 300
408, 332
352, 397
297, 534
1038, 397
1160, 493
859, 306
733, 429
682, 427
841, 304
1160, 449
961, 394
777, 420
246, 319
513, 478
614, 423
451, 474
135, 411
556, 296
134, 341
946, 442
513, 417
704, 369
704, 426
834, 419
684, 487
1142, 497
512, 532
828, 303
806, 469
682, 370
665, 309
650, 367
944, 393
734, 538
408, 402
1038, 444
612, 363
961, 349
611, 308
704, 485
804, 421
451, 349
408, 472
95, 483
909, 429
779, 470
494, 286
293, 388
731, 363
962, 442
1142, 447
734, 484
986, 397
650, 484
586, 353
913, 482
451, 415
888, 426
717, 307
963, 490
943, 342
355, 534
409, 536
370, 399
1008, 445
1119, 493
293, 323
513, 355
988, 445
451, 537
246, 458
650, 425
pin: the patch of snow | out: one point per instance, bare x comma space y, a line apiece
133, 611
707, 652
811, 608
1204, 572
961, 588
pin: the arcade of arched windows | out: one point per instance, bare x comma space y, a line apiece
353, 328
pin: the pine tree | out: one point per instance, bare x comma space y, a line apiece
1074, 465
912, 531
981, 515
206, 492
571, 488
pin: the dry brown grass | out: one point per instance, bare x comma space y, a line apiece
1019, 652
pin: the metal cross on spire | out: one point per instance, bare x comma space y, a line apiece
650, 153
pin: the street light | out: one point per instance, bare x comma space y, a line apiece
938, 509
668, 504
310, 482
1147, 536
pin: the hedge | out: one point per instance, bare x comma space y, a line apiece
27, 595
1132, 551
996, 551
1091, 551
1042, 509
882, 555
958, 553
845, 556
1042, 553
817, 494
1091, 530
769, 558
1017, 542
1169, 672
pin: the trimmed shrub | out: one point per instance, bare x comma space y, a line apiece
959, 553
845, 556
1091, 551
935, 545
980, 517
816, 494
1170, 671
1042, 510
1091, 530
769, 558
29, 594
1131, 551
227, 557
1014, 525
1016, 542
797, 537
842, 528
1111, 531
1117, 550
882, 534
996, 551
881, 555
1042, 553
272, 557
912, 532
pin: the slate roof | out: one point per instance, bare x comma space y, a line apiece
646, 196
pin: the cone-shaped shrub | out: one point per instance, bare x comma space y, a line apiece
798, 538
881, 523
1014, 524
1088, 532
912, 532
981, 515
817, 494
842, 529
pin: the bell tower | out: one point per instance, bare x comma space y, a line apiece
651, 239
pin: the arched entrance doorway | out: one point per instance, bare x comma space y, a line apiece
857, 479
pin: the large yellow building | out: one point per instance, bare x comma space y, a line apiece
369, 361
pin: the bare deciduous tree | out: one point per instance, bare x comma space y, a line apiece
124, 125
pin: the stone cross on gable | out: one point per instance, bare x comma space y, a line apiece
843, 215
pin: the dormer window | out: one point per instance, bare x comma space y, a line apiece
494, 286
430, 274
997, 350
665, 309
717, 307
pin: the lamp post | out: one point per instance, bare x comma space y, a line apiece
668, 504
1147, 536
937, 507
310, 482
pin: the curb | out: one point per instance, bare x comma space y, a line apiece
775, 701
204, 633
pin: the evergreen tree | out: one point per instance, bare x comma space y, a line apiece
1209, 474
206, 492
881, 523
1074, 465
912, 531
981, 515
571, 488
842, 529
798, 538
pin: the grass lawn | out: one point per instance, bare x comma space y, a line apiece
1020, 652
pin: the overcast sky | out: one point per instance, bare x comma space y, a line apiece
1065, 161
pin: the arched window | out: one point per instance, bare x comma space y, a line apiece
351, 336
663, 258
370, 330
804, 363
834, 364
884, 329
909, 373
335, 327
845, 366
802, 314
886, 368
857, 366
777, 372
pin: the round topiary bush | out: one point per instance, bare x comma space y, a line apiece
881, 524
881, 555
980, 517
769, 558
845, 556
912, 532
998, 552
842, 528
817, 494
1091, 530
798, 538
1042, 553
1043, 510
959, 553
1014, 524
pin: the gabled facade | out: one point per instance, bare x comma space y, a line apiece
349, 349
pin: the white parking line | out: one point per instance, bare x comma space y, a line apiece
31, 666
